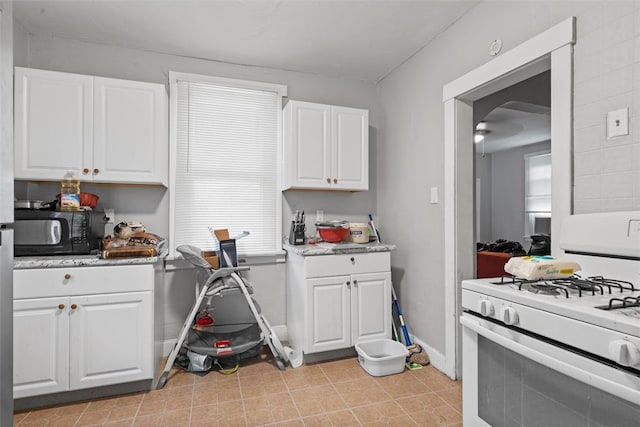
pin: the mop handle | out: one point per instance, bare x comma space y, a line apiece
405, 333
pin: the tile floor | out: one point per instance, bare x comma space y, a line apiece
338, 393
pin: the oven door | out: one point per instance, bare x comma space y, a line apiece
513, 379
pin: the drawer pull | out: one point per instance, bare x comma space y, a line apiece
67, 276
73, 306
60, 306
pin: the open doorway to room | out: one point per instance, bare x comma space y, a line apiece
549, 51
512, 164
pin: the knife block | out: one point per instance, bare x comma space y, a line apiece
296, 234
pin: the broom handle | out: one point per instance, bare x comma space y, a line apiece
407, 340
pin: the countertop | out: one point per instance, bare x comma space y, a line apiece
23, 263
324, 248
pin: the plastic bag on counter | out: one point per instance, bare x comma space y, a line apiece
541, 267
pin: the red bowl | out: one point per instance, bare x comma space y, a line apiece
333, 234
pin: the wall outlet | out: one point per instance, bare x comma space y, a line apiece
109, 216
319, 215
617, 123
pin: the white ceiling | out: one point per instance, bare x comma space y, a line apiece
510, 128
363, 40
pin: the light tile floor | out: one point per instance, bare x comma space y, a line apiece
338, 393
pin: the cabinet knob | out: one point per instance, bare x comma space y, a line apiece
353, 260
96, 171
74, 306
348, 282
335, 180
67, 276
328, 180
60, 306
85, 171
355, 282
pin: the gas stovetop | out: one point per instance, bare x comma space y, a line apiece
608, 303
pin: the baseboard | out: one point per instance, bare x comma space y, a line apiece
437, 359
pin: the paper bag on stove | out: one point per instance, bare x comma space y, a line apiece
541, 267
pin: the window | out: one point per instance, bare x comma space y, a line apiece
225, 162
537, 194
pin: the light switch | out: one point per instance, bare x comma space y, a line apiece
617, 123
434, 195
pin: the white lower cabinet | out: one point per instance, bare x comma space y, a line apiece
335, 301
80, 335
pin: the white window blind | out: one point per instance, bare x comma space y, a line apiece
226, 165
537, 200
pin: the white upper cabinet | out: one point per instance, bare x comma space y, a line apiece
326, 147
108, 130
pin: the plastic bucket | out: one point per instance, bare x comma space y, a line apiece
359, 232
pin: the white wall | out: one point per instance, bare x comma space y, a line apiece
151, 204
607, 77
410, 151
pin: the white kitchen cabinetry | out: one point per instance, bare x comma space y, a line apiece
108, 130
82, 327
335, 301
326, 147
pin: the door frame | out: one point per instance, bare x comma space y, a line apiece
551, 49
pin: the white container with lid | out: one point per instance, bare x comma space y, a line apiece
359, 232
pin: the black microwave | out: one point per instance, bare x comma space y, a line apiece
43, 232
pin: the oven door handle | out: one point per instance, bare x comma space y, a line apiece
554, 363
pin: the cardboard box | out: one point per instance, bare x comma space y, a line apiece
212, 258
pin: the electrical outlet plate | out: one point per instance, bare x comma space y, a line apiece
109, 216
618, 123
319, 215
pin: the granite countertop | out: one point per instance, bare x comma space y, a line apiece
22, 263
324, 248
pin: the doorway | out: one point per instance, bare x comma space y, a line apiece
512, 141
548, 51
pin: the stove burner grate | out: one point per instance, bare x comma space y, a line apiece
544, 288
617, 303
574, 285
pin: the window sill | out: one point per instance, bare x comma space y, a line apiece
173, 262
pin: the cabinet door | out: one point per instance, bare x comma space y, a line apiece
53, 123
130, 132
307, 137
111, 339
328, 320
350, 148
371, 306
40, 346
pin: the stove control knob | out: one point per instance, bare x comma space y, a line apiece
624, 353
509, 316
486, 308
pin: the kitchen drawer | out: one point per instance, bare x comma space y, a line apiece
52, 282
346, 264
